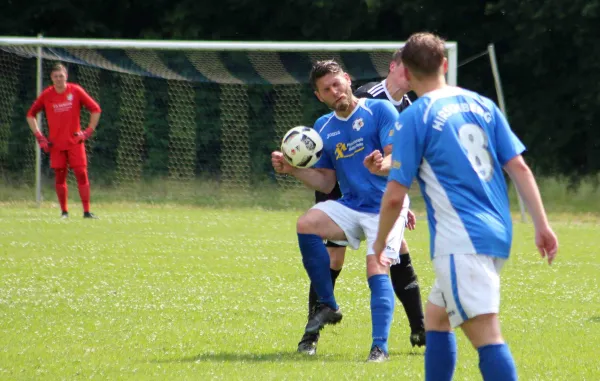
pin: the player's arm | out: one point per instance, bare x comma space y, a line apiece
35, 108
319, 179
524, 180
509, 149
88, 102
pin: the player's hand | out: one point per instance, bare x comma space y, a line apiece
280, 165
82, 136
374, 162
411, 220
42, 141
547, 243
379, 249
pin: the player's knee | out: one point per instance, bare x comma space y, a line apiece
307, 224
336, 257
483, 330
403, 247
81, 175
374, 267
403, 274
436, 318
60, 176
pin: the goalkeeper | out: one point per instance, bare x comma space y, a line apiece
62, 103
393, 88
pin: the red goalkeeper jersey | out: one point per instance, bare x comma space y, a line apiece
62, 113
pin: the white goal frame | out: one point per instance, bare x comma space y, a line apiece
271, 46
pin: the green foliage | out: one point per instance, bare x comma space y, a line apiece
547, 52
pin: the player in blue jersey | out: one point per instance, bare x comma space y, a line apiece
456, 143
353, 135
393, 88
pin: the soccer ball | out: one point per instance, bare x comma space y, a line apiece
302, 147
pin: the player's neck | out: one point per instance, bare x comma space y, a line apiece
60, 90
350, 109
426, 86
394, 90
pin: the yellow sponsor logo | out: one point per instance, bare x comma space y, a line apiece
391, 132
396, 164
341, 148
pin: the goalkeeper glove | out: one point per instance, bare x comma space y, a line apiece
42, 141
82, 136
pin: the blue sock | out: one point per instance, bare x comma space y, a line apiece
316, 262
382, 309
496, 363
440, 356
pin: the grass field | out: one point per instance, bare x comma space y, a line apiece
180, 292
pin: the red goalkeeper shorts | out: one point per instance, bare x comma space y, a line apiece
75, 157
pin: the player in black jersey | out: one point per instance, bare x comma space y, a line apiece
395, 89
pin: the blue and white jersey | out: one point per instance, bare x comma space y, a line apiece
346, 143
456, 142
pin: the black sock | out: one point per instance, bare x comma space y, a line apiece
406, 286
312, 294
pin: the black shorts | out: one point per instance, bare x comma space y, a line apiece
335, 194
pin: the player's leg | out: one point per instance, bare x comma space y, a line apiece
309, 341
382, 292
58, 162
312, 227
406, 286
78, 162
336, 261
441, 351
382, 308
481, 303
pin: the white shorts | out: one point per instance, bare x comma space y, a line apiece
362, 226
467, 285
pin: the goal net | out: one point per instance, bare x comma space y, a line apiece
185, 119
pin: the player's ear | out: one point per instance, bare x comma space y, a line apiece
406, 73
318, 96
445, 65
347, 76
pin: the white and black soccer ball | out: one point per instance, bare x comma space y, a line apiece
302, 147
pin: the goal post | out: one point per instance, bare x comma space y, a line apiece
186, 112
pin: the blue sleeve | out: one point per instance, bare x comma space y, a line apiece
408, 147
325, 160
388, 117
508, 144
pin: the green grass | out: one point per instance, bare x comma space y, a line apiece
181, 292
558, 194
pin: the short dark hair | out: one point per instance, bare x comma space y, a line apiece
321, 69
424, 54
58, 66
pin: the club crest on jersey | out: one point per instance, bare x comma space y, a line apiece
69, 97
358, 124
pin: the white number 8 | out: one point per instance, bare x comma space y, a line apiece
475, 141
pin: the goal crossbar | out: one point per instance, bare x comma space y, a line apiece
204, 45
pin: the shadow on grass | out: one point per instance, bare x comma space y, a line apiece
251, 357
595, 319
276, 357
394, 354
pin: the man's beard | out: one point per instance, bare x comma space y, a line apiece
345, 104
